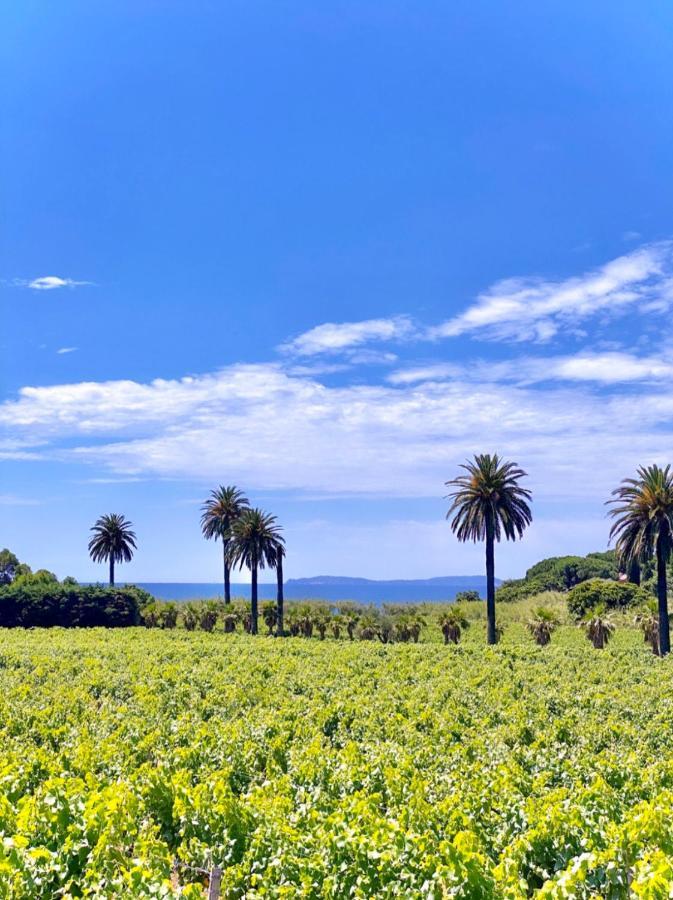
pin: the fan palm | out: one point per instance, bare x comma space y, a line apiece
112, 541
255, 543
487, 503
219, 513
643, 528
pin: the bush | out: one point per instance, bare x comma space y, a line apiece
69, 606
467, 596
561, 573
518, 589
598, 593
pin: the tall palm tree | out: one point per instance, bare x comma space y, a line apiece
219, 513
643, 528
254, 542
488, 501
112, 541
280, 596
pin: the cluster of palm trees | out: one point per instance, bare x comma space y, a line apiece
488, 503
251, 538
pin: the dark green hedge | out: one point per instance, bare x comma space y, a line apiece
70, 606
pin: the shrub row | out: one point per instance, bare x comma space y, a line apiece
68, 606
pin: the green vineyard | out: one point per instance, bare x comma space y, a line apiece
133, 762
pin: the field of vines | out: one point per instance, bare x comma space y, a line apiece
133, 761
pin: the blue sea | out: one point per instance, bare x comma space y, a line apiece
374, 592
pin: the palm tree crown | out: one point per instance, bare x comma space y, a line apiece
112, 541
643, 528
489, 495
643, 513
255, 540
219, 513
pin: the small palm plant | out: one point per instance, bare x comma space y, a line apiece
269, 615
219, 513
643, 527
598, 627
541, 625
452, 622
209, 613
190, 616
336, 624
254, 541
648, 621
487, 503
112, 541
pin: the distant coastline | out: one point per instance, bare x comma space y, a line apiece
331, 588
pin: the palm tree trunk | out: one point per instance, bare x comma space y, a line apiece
112, 571
227, 578
253, 599
662, 597
280, 631
490, 582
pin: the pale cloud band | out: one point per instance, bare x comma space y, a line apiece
274, 431
522, 309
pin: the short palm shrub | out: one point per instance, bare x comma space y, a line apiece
208, 615
368, 629
541, 625
452, 623
598, 628
648, 621
270, 615
168, 615
190, 616
336, 626
321, 620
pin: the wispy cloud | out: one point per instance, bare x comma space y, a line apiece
51, 282
63, 350
609, 368
13, 500
534, 309
333, 337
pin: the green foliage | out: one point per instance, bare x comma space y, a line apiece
467, 596
133, 759
589, 595
8, 564
515, 589
561, 573
558, 573
42, 576
48, 603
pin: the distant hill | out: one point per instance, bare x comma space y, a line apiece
453, 581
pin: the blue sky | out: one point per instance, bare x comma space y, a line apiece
324, 252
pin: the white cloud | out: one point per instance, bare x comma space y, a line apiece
335, 337
534, 309
51, 282
262, 427
63, 350
604, 368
